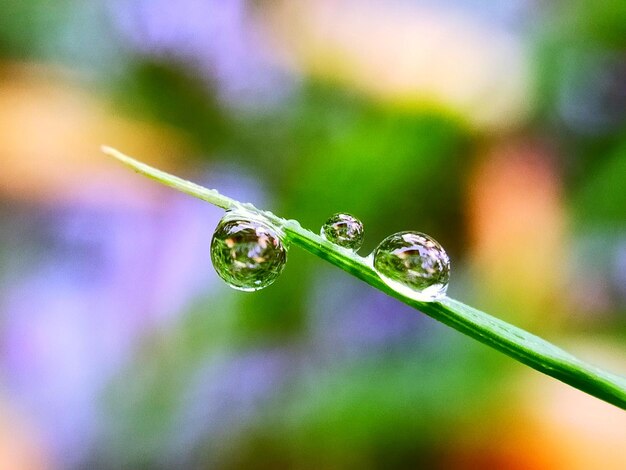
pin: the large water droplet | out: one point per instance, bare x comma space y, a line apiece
413, 264
247, 253
344, 230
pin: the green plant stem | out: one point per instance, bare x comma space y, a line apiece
512, 341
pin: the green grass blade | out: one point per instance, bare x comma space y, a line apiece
512, 341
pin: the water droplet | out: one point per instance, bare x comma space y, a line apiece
344, 230
413, 264
247, 253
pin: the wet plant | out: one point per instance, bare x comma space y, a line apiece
410, 266
413, 264
344, 230
247, 253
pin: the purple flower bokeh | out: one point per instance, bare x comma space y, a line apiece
220, 39
226, 395
105, 276
350, 321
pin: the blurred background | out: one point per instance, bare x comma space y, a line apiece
499, 128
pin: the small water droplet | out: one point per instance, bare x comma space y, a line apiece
413, 264
246, 252
344, 230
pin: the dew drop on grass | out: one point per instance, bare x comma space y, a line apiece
344, 230
247, 253
413, 264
